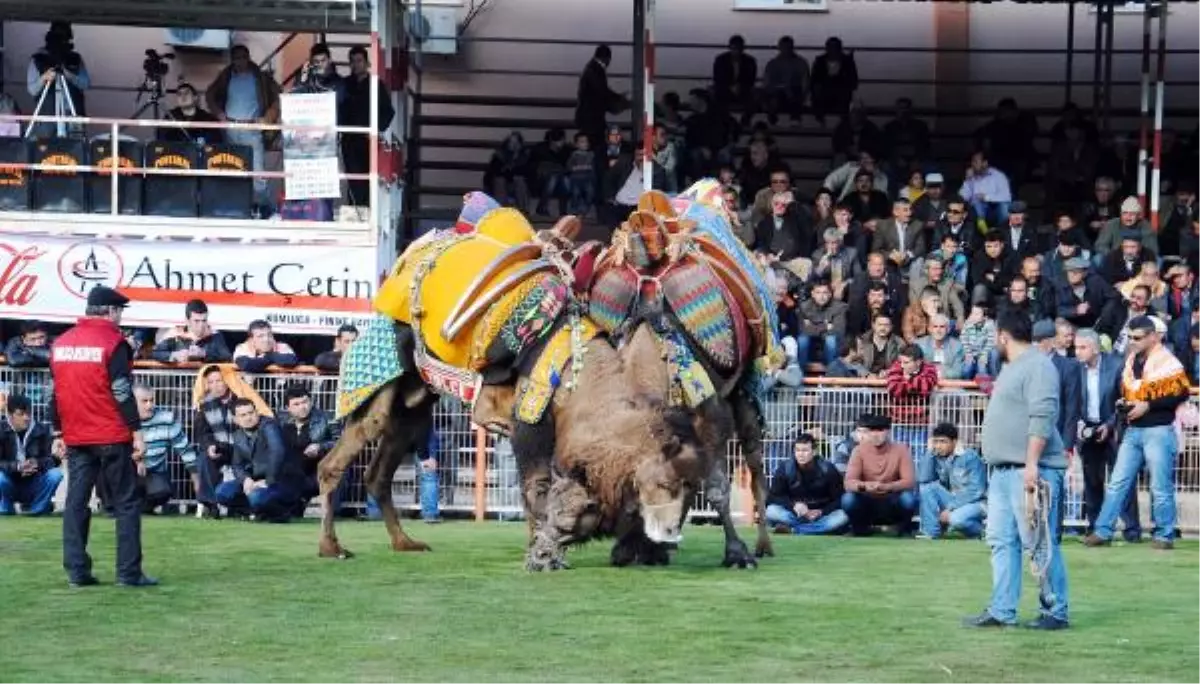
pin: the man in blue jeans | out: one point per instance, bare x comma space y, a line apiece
1153, 386
267, 479
806, 493
1022, 444
953, 484
29, 472
427, 482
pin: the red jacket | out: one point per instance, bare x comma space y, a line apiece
910, 396
92, 401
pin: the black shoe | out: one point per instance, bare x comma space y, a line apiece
1046, 622
85, 581
143, 581
983, 620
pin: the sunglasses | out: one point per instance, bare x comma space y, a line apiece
1136, 338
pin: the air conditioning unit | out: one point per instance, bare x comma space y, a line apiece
434, 31
199, 39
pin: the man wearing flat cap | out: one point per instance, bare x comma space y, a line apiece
95, 420
1083, 297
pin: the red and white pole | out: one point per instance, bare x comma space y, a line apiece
1144, 118
648, 98
1155, 188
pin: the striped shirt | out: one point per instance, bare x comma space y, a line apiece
163, 434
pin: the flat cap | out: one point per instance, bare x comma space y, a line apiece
106, 296
1017, 207
1043, 330
1077, 264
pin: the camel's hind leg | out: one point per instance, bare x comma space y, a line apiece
748, 419
363, 428
409, 428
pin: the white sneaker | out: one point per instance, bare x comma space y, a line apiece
200, 509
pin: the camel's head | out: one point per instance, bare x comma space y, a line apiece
665, 481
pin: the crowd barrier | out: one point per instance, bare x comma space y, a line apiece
478, 475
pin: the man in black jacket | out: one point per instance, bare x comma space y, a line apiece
267, 479
1083, 297
990, 269
806, 493
355, 110
29, 472
31, 349
594, 99
193, 342
735, 74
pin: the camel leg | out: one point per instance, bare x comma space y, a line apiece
414, 425
533, 447
748, 421
716, 428
361, 429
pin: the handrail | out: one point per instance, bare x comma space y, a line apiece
171, 124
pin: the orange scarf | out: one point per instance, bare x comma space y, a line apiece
1162, 376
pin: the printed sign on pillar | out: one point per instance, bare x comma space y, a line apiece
310, 154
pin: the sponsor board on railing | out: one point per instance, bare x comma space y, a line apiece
310, 156
299, 288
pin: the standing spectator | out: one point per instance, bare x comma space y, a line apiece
785, 83
735, 74
308, 434
880, 481
834, 81
194, 341
806, 493
331, 361
899, 238
1009, 139
594, 99
243, 93
822, 322
1070, 381
979, 343
1084, 296
57, 57
756, 170
355, 110
548, 160
953, 485
581, 170
907, 138
507, 173
260, 350
29, 472
1098, 430
164, 437
1064, 338
910, 382
31, 349
1129, 223
266, 478
95, 419
945, 353
880, 348
1153, 385
988, 191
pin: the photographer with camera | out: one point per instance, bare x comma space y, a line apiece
1153, 385
57, 78
1098, 429
188, 109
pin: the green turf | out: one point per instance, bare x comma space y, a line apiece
253, 602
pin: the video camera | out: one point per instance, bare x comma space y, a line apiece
155, 65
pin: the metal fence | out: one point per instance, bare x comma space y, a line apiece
478, 475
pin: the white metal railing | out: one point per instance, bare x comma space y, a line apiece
479, 475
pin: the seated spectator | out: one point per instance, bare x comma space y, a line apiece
834, 81
990, 270
806, 493
260, 350
1148, 277
853, 133
1118, 312
932, 210
978, 339
709, 134
1083, 298
1064, 337
953, 486
29, 471
163, 436
843, 180
822, 322
779, 180
852, 232
1020, 236
785, 83
880, 480
839, 265
861, 313
549, 162
507, 172
188, 110
786, 288
1177, 220
622, 184
734, 75
951, 294
213, 429
1017, 300
822, 211
266, 480
331, 361
880, 348
987, 190
955, 263
1126, 261
1039, 292
848, 364
867, 204
308, 434
194, 341
921, 310
31, 349
945, 353
666, 156
1129, 223
1095, 213
1064, 224
1070, 167
1182, 302
1054, 262
906, 138
755, 170
787, 233
899, 238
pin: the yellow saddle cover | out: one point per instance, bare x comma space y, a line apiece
461, 275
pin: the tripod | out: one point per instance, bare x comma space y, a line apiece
63, 105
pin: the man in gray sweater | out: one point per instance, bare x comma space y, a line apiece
1022, 445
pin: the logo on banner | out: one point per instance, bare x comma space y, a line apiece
17, 287
89, 264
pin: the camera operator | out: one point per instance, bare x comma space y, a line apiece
1153, 385
355, 110
188, 109
57, 56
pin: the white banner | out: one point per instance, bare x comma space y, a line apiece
302, 289
310, 157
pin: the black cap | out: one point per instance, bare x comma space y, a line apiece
874, 421
947, 430
106, 296
1017, 207
1142, 323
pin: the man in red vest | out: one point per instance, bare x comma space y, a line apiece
95, 420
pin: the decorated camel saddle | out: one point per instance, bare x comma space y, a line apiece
677, 264
477, 299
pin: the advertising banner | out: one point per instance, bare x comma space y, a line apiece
301, 289
310, 157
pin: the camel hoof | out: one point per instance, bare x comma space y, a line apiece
764, 548
410, 545
332, 549
738, 556
546, 562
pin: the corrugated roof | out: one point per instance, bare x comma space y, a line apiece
332, 16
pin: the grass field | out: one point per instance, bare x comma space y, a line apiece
252, 602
